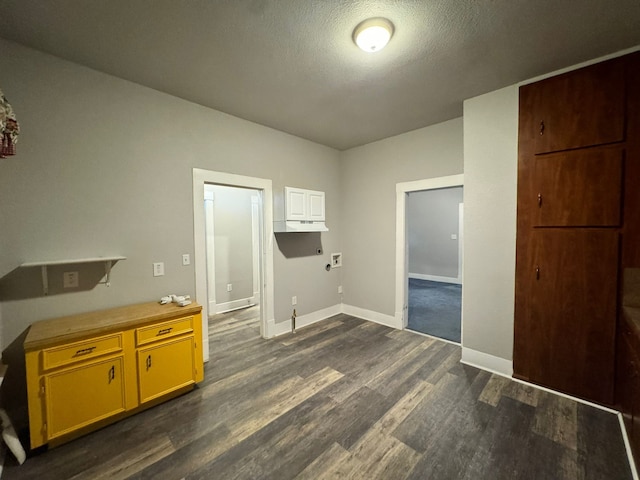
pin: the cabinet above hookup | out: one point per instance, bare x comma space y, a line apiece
299, 210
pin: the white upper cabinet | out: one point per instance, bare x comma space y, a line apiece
305, 205
296, 203
316, 206
303, 211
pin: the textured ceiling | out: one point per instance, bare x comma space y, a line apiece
292, 64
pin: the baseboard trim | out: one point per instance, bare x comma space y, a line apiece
318, 315
485, 361
234, 305
436, 278
627, 446
276, 329
281, 328
381, 318
504, 368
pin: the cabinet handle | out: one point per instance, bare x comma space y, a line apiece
112, 373
539, 200
148, 362
164, 331
542, 128
84, 351
537, 272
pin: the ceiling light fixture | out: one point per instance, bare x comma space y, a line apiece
373, 34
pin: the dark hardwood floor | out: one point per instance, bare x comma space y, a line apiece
344, 398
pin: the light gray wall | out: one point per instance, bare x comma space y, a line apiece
432, 216
369, 177
233, 246
104, 166
490, 177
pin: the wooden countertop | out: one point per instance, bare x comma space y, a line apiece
101, 322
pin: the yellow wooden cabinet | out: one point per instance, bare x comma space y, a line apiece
86, 371
165, 358
82, 395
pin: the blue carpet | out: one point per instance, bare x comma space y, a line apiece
434, 308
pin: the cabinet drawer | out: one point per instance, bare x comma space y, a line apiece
75, 352
160, 331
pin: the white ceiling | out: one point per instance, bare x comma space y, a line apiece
292, 64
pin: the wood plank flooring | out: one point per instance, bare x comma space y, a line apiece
344, 398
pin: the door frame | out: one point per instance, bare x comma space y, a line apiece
200, 178
402, 261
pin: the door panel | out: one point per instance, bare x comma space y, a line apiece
572, 311
83, 395
578, 188
580, 108
165, 367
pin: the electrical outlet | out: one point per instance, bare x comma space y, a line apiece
294, 300
454, 236
339, 288
70, 279
158, 269
186, 259
229, 287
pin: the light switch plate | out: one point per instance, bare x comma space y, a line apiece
158, 269
186, 259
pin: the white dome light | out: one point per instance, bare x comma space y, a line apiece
373, 34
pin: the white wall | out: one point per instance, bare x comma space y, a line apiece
490, 177
432, 217
104, 166
369, 177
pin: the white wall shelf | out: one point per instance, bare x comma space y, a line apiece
108, 263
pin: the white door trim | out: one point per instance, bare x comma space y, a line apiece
402, 189
200, 177
209, 200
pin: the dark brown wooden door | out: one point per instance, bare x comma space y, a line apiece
578, 188
580, 108
571, 306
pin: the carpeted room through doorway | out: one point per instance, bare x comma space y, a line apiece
434, 308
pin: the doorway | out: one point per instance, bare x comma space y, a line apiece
434, 239
403, 191
232, 222
233, 225
265, 292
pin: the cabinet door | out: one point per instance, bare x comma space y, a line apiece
571, 311
296, 203
579, 109
83, 395
316, 206
578, 188
165, 367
